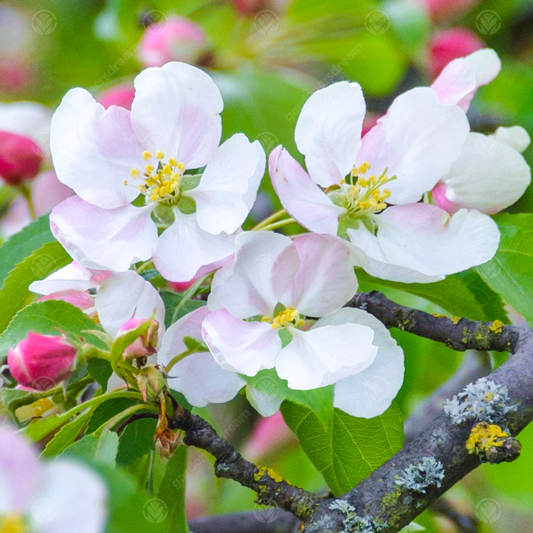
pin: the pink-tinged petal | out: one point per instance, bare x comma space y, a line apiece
17, 217
76, 500
47, 191
326, 279
126, 295
461, 78
263, 268
177, 110
19, 471
417, 141
198, 376
73, 277
488, 176
239, 346
220, 196
112, 238
514, 136
370, 392
94, 149
328, 131
323, 355
183, 248
269, 435
300, 196
424, 239
82, 300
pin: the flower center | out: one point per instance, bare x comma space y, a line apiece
362, 194
161, 179
13, 524
287, 317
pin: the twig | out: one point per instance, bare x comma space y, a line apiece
251, 522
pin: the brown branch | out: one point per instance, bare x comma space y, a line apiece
272, 521
271, 489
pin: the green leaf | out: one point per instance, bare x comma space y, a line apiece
48, 318
172, 490
348, 449
107, 410
464, 294
15, 293
100, 370
92, 448
65, 436
510, 272
23, 244
136, 440
269, 386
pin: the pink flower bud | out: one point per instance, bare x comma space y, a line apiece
448, 9
121, 95
268, 436
450, 44
41, 361
439, 197
145, 345
181, 286
20, 158
173, 39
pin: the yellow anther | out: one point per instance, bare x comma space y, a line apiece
134, 172
289, 316
380, 206
159, 155
149, 168
142, 187
167, 170
173, 162
362, 182
12, 524
181, 166
373, 180
147, 156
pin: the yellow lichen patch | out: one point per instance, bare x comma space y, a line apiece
455, 319
496, 327
272, 474
485, 436
437, 315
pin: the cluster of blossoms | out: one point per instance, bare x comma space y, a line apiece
482, 401
409, 201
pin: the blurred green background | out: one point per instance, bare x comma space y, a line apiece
267, 58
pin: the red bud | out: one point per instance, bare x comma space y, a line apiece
20, 158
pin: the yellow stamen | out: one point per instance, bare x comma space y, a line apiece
134, 173
159, 155
284, 318
12, 524
147, 156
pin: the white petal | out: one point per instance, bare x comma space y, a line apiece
370, 392
263, 268
488, 176
426, 239
460, 79
126, 295
417, 141
223, 195
94, 149
265, 404
19, 471
239, 346
112, 238
184, 248
27, 118
323, 355
300, 196
75, 499
515, 136
328, 131
325, 280
177, 110
73, 277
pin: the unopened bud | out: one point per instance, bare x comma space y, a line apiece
41, 361
173, 39
152, 382
145, 345
20, 158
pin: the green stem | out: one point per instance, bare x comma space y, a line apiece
27, 195
145, 266
269, 220
150, 482
279, 224
176, 359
